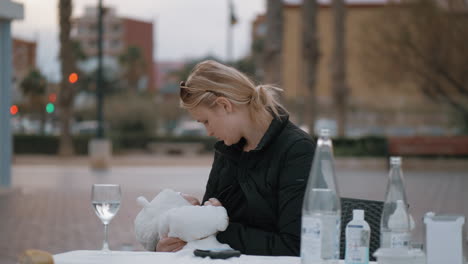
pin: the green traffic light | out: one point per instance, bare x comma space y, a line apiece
50, 108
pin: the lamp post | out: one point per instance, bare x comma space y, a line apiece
8, 11
99, 82
100, 148
232, 20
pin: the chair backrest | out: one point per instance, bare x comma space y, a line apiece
373, 213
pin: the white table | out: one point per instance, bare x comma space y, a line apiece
144, 257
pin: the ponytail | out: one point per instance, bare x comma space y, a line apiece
265, 99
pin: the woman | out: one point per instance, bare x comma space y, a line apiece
261, 162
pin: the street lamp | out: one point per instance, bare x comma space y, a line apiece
231, 22
99, 81
100, 149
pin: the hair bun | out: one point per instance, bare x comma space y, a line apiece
257, 98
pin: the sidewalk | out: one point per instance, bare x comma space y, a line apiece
117, 160
379, 163
49, 207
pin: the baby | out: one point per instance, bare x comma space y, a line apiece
170, 214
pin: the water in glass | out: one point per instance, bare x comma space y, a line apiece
105, 199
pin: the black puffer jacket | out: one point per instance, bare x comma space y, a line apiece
262, 190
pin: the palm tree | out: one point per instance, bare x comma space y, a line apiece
67, 91
310, 51
34, 87
273, 42
338, 75
133, 65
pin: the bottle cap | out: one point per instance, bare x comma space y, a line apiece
358, 214
395, 160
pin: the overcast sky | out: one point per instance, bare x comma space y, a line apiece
183, 29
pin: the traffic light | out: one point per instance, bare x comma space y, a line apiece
73, 77
52, 97
14, 109
50, 108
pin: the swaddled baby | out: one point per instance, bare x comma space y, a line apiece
169, 214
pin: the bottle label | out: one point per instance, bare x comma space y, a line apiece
357, 250
311, 238
399, 240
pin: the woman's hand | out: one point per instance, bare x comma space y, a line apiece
191, 199
170, 244
213, 202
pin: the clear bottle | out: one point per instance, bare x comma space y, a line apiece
357, 239
321, 210
395, 224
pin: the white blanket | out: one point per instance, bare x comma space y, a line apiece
169, 214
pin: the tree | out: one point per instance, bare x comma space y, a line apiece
133, 66
169, 112
310, 52
34, 87
67, 90
183, 73
246, 65
423, 44
273, 42
258, 45
338, 74
110, 82
87, 82
131, 114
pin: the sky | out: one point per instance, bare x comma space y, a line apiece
183, 29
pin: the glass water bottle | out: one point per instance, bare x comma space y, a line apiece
321, 211
395, 223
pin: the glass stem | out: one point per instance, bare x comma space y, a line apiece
105, 245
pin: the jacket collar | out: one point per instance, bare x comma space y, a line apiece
276, 126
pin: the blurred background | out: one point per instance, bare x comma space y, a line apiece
388, 77
390, 69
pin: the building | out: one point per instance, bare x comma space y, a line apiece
24, 60
167, 82
119, 34
24, 56
374, 108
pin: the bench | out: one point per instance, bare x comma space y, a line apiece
176, 148
428, 146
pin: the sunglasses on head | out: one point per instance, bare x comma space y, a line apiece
183, 89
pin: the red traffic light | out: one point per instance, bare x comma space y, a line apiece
14, 109
73, 77
52, 97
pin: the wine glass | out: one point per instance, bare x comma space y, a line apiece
106, 203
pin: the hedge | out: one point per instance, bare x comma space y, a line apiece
37, 144
366, 146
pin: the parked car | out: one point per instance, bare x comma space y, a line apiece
190, 128
88, 127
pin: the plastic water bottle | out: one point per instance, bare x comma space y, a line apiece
321, 211
357, 239
395, 224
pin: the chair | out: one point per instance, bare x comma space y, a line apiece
373, 213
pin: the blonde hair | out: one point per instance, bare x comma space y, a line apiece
210, 79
